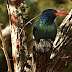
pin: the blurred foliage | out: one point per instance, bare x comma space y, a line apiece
35, 8
3, 13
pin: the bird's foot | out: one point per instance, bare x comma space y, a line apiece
50, 41
42, 40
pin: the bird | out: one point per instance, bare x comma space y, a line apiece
45, 27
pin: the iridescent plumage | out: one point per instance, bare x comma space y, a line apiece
45, 28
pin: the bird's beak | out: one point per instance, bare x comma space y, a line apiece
60, 13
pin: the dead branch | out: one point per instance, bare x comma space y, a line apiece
17, 10
5, 51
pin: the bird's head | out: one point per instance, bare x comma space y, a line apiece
51, 14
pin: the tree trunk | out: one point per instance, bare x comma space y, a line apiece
17, 14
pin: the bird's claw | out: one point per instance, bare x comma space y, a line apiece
42, 40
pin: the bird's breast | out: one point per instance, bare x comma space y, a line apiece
43, 31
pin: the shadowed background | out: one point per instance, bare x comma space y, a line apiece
35, 8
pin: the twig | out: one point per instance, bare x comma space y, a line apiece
5, 52
32, 19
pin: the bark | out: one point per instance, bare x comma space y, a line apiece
17, 10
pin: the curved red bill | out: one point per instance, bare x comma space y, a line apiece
61, 13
